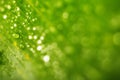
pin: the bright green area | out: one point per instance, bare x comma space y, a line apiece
59, 40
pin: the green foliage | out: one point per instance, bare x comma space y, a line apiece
59, 40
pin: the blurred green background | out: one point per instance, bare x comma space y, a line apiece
59, 40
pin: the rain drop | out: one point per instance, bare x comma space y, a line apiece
29, 37
4, 16
39, 48
15, 35
46, 58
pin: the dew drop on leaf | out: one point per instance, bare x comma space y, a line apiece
4, 16
15, 35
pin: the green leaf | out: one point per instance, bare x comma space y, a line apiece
59, 40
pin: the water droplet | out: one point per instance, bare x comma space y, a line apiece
14, 1
30, 37
42, 38
46, 58
34, 28
15, 35
28, 5
28, 28
39, 48
18, 14
15, 25
21, 46
18, 9
23, 23
28, 45
12, 27
4, 16
31, 49
33, 20
39, 42
8, 7
35, 37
